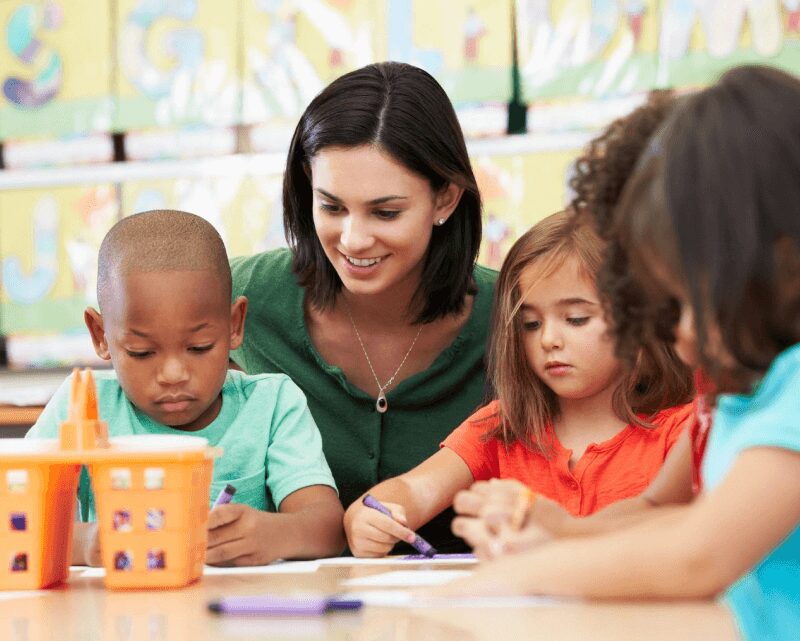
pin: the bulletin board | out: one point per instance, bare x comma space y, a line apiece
56, 80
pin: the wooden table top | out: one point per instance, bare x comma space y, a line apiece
13, 415
83, 609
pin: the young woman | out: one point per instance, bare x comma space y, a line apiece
377, 310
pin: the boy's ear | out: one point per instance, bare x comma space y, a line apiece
94, 322
446, 201
238, 313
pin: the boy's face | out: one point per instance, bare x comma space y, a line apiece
168, 335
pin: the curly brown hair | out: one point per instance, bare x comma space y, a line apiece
711, 212
601, 174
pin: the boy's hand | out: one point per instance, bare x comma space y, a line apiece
86, 545
239, 535
370, 533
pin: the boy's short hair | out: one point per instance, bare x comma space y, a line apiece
157, 241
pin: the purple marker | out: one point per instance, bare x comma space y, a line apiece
299, 605
420, 544
460, 556
225, 495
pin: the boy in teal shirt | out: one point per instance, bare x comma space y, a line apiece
167, 326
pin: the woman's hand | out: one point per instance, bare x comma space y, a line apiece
373, 534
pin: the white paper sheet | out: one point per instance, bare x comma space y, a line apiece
21, 594
394, 560
407, 578
406, 599
279, 567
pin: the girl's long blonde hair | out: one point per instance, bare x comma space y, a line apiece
657, 379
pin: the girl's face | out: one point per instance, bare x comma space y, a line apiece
374, 217
567, 342
664, 282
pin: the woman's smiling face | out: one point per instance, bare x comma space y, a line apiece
374, 217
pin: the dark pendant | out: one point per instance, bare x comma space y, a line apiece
381, 405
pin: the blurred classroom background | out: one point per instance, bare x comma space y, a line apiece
110, 107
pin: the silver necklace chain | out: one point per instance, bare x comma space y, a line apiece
380, 404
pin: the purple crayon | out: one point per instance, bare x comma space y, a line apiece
420, 544
279, 605
225, 495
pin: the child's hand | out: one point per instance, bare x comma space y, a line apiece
370, 533
86, 545
239, 535
499, 503
488, 544
92, 550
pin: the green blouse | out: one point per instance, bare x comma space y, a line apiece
362, 446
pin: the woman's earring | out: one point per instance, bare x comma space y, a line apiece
441, 221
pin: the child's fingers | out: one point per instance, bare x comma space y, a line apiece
398, 512
522, 505
224, 514
378, 526
375, 547
468, 502
394, 526
374, 534
510, 506
395, 530
482, 488
371, 542
377, 535
473, 531
226, 553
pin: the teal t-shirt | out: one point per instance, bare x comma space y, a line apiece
766, 600
271, 445
362, 446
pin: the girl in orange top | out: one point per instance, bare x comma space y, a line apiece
571, 421
487, 507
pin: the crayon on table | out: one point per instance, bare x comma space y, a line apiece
419, 544
298, 605
225, 495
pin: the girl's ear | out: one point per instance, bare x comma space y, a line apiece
94, 323
238, 314
446, 201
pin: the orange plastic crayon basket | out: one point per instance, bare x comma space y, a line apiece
151, 494
152, 511
37, 505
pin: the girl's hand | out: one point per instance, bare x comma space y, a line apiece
239, 535
372, 534
489, 545
499, 503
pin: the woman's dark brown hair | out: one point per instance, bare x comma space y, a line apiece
404, 112
714, 206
